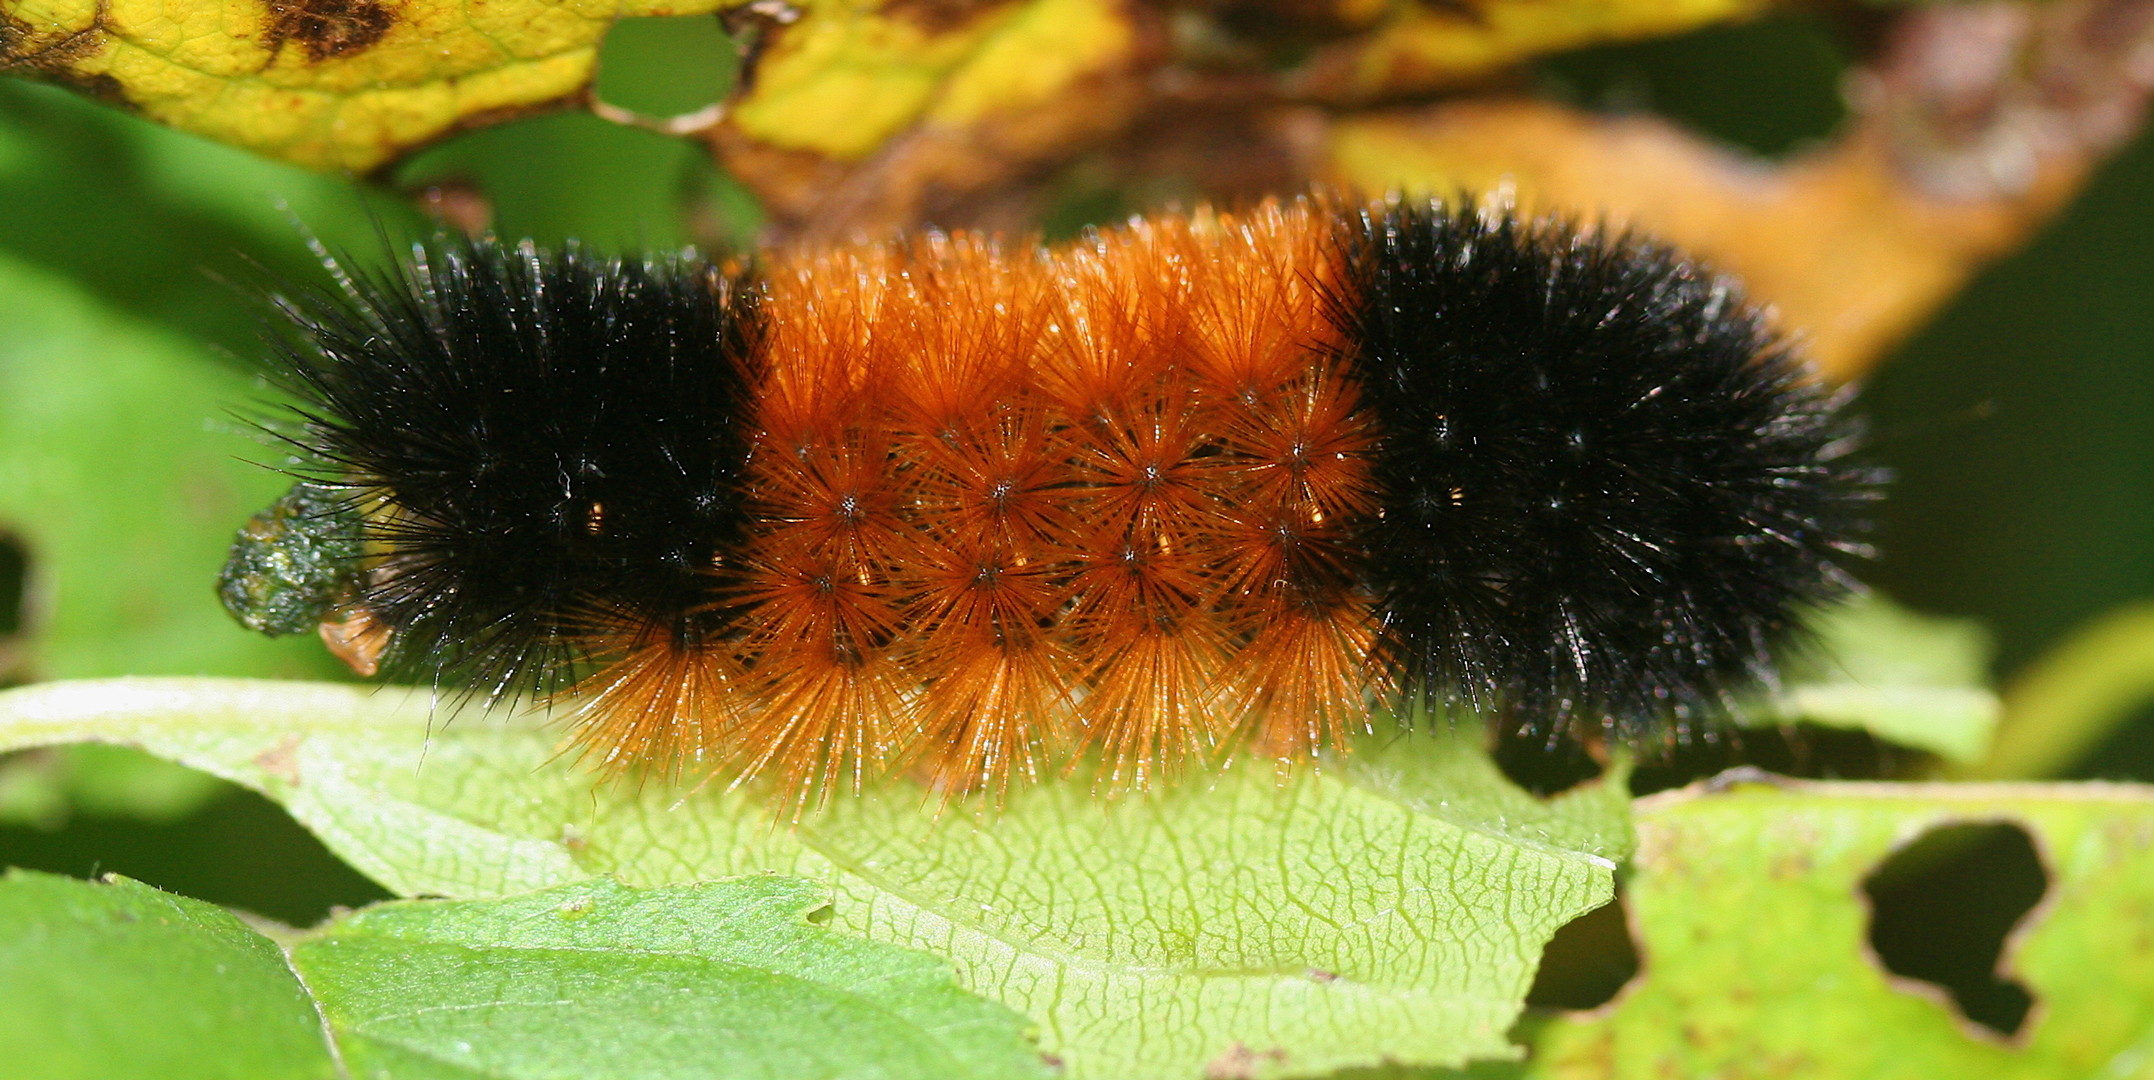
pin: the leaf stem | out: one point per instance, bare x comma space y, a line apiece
2064, 703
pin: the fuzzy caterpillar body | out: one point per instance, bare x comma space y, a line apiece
1195, 484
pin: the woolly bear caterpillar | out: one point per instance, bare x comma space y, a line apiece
1195, 484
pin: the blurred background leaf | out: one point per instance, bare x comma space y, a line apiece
1913, 680
97, 400
44, 788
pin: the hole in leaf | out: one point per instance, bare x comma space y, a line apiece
666, 65
1942, 906
1588, 960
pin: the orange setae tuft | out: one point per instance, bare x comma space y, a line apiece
1007, 506
662, 704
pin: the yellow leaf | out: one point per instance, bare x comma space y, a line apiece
1041, 51
1424, 45
871, 115
327, 84
850, 75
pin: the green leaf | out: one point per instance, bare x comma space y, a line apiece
2070, 699
729, 979
1754, 937
1915, 680
120, 980
160, 224
572, 176
45, 787
1394, 910
123, 473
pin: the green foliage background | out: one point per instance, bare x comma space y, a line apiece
2020, 423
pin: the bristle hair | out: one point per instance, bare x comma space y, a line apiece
1201, 485
1608, 489
545, 446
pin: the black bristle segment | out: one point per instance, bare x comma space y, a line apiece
539, 440
1608, 491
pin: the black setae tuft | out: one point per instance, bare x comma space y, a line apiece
540, 441
1607, 489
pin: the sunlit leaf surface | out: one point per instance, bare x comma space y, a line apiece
1393, 910
1753, 928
